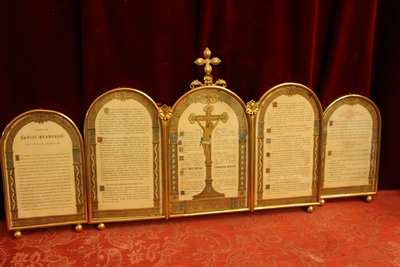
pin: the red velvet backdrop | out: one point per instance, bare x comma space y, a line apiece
61, 55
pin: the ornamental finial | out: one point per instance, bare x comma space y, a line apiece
208, 78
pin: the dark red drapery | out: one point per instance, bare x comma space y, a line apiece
61, 55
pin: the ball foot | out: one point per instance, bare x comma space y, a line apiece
17, 234
101, 226
78, 228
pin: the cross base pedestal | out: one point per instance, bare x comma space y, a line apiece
208, 192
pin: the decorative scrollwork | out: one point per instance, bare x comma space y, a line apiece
293, 90
221, 82
211, 97
123, 96
351, 101
40, 117
195, 83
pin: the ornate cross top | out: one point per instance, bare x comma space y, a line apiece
208, 78
207, 61
208, 117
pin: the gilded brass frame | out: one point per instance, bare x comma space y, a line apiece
10, 133
209, 95
372, 187
157, 211
259, 203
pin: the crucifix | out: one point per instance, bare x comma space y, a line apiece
210, 122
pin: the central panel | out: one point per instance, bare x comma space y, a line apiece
208, 146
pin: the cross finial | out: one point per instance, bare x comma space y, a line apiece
208, 78
207, 61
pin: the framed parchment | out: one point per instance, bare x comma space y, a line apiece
287, 148
351, 144
208, 153
123, 155
43, 171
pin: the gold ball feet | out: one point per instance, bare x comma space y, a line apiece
101, 226
322, 202
368, 199
78, 228
17, 234
310, 209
